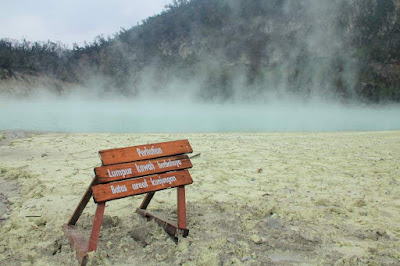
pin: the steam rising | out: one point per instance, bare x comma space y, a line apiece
308, 56
304, 49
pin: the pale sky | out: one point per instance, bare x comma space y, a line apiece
72, 21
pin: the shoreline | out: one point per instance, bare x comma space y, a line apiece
27, 132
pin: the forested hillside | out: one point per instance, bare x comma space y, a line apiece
230, 50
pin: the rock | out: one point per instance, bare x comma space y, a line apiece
256, 239
230, 239
234, 261
382, 233
245, 259
3, 209
274, 223
323, 202
371, 234
56, 246
109, 221
350, 260
360, 203
40, 221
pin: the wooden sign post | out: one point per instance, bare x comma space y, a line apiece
133, 171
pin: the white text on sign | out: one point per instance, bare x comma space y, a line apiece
147, 152
154, 182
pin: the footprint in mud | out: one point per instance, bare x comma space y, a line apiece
8, 189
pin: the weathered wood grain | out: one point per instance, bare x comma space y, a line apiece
78, 242
169, 227
126, 188
118, 172
144, 152
82, 204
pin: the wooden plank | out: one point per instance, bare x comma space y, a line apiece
118, 172
168, 226
146, 200
97, 220
82, 204
126, 188
78, 243
144, 152
181, 207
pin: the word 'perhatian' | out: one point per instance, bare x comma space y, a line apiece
122, 172
146, 152
118, 189
162, 181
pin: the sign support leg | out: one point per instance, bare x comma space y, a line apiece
82, 204
181, 208
98, 218
171, 228
146, 200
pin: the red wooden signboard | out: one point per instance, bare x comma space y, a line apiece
141, 168
145, 152
131, 187
132, 171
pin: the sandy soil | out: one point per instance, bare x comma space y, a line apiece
257, 198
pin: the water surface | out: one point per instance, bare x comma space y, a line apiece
174, 116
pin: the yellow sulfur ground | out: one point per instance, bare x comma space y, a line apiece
257, 198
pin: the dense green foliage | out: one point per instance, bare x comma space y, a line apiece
237, 48
33, 58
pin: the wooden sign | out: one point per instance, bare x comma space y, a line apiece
126, 188
141, 168
144, 152
132, 171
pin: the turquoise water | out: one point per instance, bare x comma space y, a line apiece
174, 116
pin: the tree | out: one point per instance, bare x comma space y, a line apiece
176, 4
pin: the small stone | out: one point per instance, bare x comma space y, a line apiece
360, 203
274, 223
323, 202
234, 261
56, 246
247, 258
382, 233
230, 239
109, 222
41, 221
256, 239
